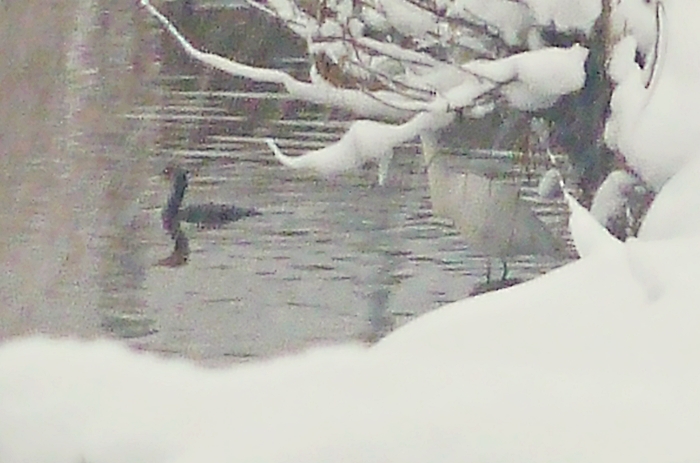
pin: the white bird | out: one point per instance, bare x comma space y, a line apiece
487, 210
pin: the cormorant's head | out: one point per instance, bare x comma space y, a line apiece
177, 176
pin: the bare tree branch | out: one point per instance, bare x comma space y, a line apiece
352, 99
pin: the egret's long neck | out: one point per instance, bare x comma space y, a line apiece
434, 164
440, 180
430, 146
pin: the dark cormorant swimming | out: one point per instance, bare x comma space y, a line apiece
204, 215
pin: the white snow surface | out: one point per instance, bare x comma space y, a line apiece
529, 80
675, 211
511, 19
566, 15
645, 119
408, 18
637, 19
589, 235
365, 141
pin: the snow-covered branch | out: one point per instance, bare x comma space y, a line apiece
420, 74
357, 101
365, 142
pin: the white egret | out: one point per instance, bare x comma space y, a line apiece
486, 208
549, 186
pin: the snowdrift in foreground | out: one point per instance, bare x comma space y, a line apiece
583, 364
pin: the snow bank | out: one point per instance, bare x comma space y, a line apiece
637, 19
611, 198
655, 124
675, 211
595, 361
579, 365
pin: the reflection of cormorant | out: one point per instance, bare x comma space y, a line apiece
180, 253
201, 214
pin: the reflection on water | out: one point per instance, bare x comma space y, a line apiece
70, 170
326, 261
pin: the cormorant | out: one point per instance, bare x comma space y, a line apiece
204, 215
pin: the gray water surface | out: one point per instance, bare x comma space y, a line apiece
327, 261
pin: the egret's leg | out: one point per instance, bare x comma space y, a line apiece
488, 270
384, 168
505, 270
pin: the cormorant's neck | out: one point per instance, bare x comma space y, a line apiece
176, 194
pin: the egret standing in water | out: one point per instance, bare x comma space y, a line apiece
488, 211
